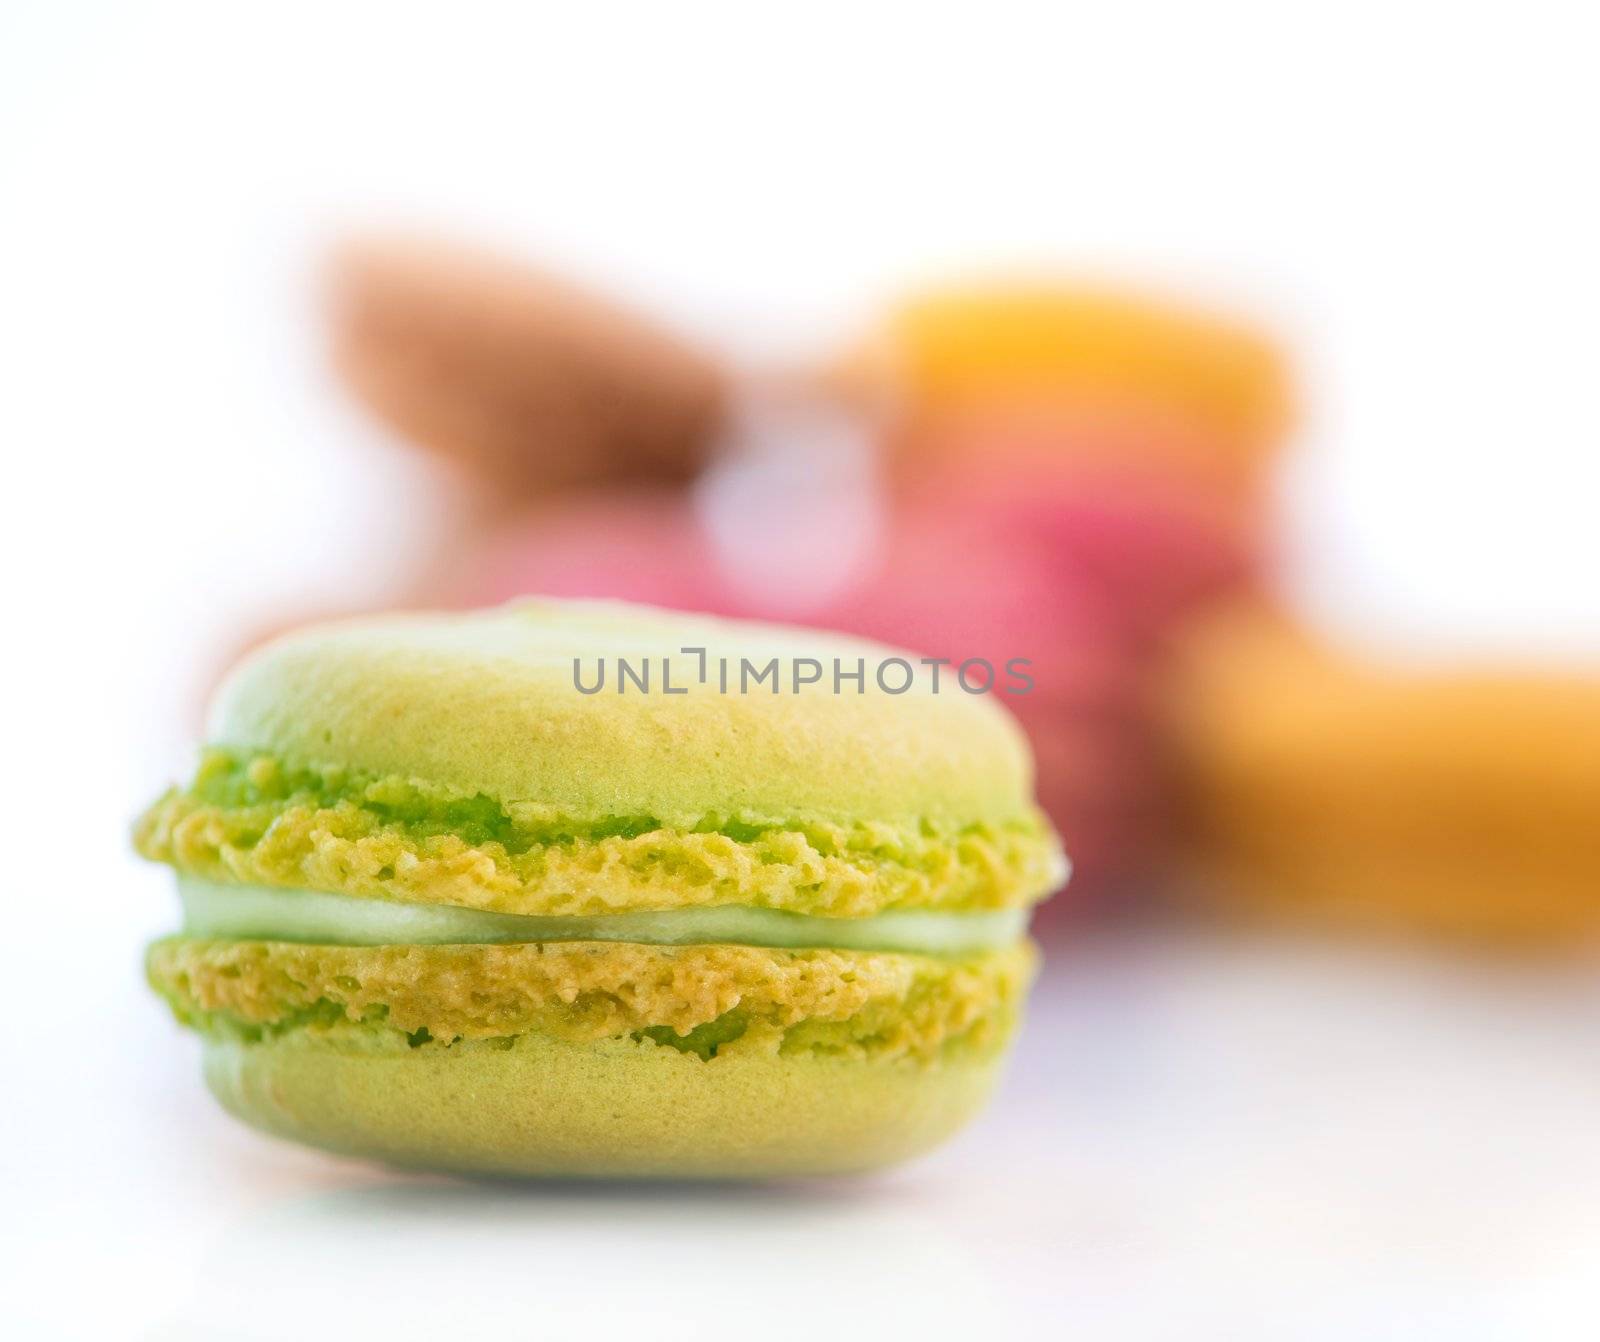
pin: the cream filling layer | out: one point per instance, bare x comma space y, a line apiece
259, 913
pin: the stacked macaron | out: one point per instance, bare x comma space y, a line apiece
448, 904
1114, 447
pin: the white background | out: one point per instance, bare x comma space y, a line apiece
1201, 1138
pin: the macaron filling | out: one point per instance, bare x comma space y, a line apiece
249, 912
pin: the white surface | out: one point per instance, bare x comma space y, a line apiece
1200, 1140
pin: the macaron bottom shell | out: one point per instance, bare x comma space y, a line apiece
538, 1106
590, 1059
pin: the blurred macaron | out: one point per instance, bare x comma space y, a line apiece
1088, 373
1458, 802
642, 546
527, 381
1151, 549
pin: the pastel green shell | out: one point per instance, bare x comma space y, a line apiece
452, 759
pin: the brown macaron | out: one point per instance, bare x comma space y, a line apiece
529, 381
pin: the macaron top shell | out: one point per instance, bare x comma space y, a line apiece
487, 703
455, 759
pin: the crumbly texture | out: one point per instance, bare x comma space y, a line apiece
258, 821
710, 1000
452, 760
546, 1107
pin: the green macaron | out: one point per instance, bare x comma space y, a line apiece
590, 889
